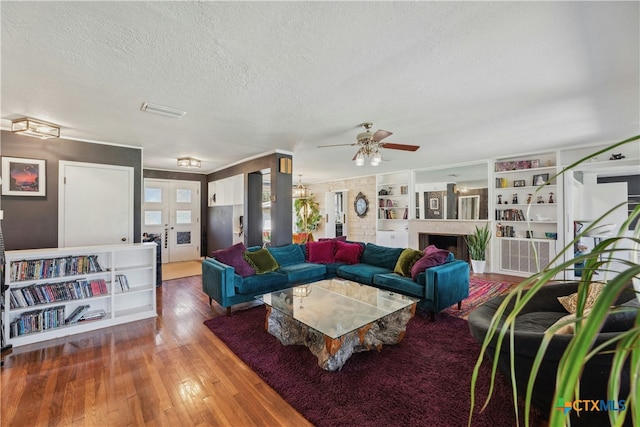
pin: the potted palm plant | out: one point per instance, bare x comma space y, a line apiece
477, 244
307, 216
622, 249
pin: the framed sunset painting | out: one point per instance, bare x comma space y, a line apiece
23, 177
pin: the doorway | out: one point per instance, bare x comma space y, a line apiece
171, 210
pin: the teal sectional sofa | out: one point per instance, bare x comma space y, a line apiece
437, 287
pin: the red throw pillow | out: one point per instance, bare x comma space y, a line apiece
432, 257
348, 252
233, 257
321, 252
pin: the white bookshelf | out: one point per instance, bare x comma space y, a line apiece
41, 318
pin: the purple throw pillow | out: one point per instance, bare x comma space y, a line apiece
233, 256
432, 257
321, 252
348, 252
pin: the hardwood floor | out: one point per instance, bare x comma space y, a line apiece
170, 370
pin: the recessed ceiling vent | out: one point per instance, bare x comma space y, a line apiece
162, 110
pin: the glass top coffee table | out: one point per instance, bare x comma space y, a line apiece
336, 318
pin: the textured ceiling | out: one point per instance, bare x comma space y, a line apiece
464, 80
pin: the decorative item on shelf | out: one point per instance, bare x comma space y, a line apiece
540, 179
499, 199
300, 191
189, 162
31, 127
515, 199
535, 164
551, 198
519, 183
540, 199
477, 244
618, 156
529, 196
361, 205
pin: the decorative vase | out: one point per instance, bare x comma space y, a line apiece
478, 266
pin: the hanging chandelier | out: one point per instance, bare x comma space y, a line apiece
299, 190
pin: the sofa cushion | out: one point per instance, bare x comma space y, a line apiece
570, 302
407, 259
396, 282
287, 254
261, 260
348, 253
432, 257
321, 252
380, 256
623, 320
362, 273
262, 283
303, 272
537, 321
233, 257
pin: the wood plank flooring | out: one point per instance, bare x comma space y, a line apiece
170, 371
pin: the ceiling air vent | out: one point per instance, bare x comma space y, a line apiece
162, 110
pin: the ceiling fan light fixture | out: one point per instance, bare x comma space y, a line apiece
360, 158
189, 162
376, 159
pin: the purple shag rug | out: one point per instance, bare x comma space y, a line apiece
423, 381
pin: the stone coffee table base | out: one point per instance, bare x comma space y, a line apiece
333, 353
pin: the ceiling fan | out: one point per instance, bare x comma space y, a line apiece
369, 144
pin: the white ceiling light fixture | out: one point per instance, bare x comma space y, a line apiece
300, 191
36, 128
162, 110
188, 162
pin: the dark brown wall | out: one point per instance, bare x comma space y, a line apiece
281, 208
32, 222
188, 176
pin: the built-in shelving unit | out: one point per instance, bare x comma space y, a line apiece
526, 212
392, 203
64, 291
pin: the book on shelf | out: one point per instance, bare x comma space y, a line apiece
54, 267
38, 321
510, 215
93, 315
76, 314
53, 292
122, 281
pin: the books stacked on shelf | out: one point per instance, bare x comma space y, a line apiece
510, 215
37, 321
76, 314
122, 281
54, 267
54, 292
93, 315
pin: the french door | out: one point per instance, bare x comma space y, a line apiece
172, 210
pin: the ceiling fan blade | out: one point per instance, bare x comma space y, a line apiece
381, 134
404, 147
334, 145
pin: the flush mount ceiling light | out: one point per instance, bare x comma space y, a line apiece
188, 162
300, 191
37, 128
162, 110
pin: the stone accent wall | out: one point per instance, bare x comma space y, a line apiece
358, 229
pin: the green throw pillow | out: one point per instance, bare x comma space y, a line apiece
407, 258
261, 260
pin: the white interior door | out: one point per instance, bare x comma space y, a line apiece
172, 210
95, 204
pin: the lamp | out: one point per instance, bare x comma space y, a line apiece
376, 159
37, 128
359, 158
300, 191
369, 149
188, 162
